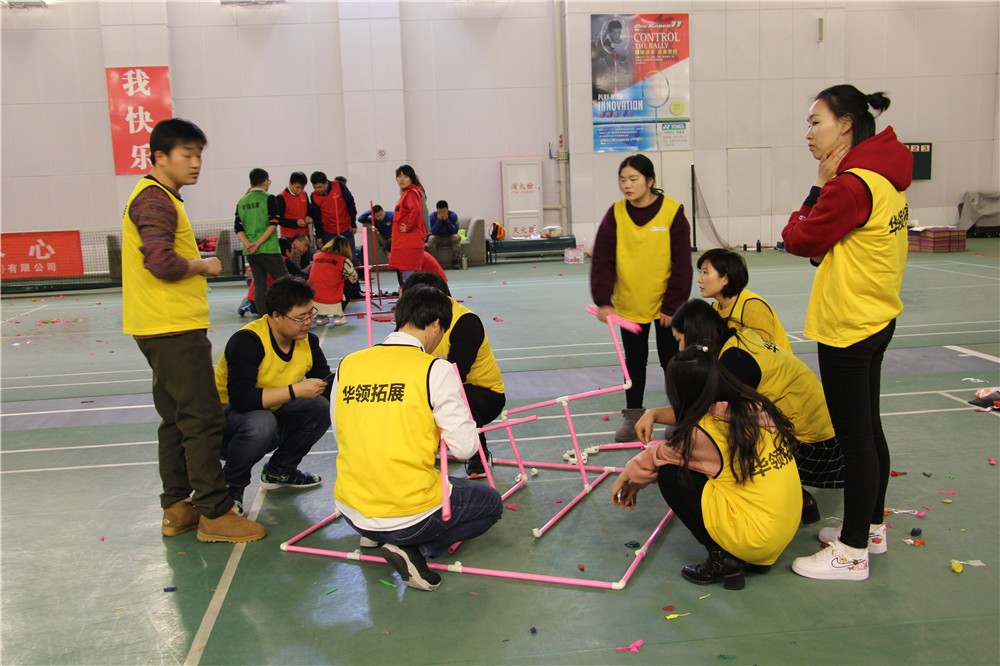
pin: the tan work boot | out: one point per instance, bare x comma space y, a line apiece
179, 518
626, 431
230, 527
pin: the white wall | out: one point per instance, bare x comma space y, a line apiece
454, 87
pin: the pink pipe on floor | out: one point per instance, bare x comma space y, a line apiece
458, 567
323, 523
576, 442
640, 554
538, 532
507, 424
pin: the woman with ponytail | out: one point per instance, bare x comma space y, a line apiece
853, 227
727, 470
641, 271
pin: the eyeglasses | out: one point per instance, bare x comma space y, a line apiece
304, 319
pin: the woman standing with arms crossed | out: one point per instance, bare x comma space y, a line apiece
408, 229
853, 225
641, 271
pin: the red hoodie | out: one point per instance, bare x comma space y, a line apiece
844, 202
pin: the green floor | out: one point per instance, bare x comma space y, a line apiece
84, 568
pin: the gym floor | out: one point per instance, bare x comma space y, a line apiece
85, 570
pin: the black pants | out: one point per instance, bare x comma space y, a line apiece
192, 422
851, 382
486, 405
636, 349
682, 490
262, 265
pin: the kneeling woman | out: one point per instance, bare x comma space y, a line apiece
727, 470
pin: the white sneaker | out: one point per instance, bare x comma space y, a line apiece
365, 542
339, 321
835, 562
877, 542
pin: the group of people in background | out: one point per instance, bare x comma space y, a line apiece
747, 422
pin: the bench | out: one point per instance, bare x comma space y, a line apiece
527, 247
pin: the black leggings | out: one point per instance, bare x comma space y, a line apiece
636, 349
851, 382
682, 490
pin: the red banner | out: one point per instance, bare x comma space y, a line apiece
138, 98
40, 254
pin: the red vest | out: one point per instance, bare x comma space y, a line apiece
327, 277
296, 208
333, 211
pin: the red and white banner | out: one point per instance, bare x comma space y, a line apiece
40, 254
138, 98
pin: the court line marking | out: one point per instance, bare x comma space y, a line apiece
40, 386
79, 374
73, 411
82, 446
25, 314
972, 352
200, 640
968, 275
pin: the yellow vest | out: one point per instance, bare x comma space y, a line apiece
485, 372
151, 306
855, 293
273, 371
386, 433
756, 520
789, 383
642, 262
749, 310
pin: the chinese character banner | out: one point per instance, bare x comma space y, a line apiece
40, 254
138, 98
641, 82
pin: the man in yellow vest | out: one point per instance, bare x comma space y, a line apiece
273, 383
465, 344
165, 307
392, 404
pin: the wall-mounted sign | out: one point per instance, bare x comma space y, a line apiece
138, 98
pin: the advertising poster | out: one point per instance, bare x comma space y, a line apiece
641, 81
138, 98
40, 254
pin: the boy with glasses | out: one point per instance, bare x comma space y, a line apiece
274, 384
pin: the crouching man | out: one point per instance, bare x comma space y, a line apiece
391, 406
272, 384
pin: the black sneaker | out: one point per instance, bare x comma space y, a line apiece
411, 566
293, 479
237, 495
474, 466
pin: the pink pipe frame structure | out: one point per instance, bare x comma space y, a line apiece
458, 567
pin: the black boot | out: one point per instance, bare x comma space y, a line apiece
720, 565
810, 510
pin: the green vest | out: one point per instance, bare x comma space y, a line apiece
252, 210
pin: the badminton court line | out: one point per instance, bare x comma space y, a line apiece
943, 270
971, 352
208, 621
25, 314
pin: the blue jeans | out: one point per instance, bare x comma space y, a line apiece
290, 432
475, 507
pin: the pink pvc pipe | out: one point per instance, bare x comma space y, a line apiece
575, 396
323, 523
445, 486
552, 465
573, 502
507, 424
640, 554
368, 275
576, 442
626, 445
454, 568
627, 324
486, 462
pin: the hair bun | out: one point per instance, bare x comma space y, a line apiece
878, 101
